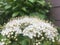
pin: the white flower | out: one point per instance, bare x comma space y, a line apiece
31, 27
1, 43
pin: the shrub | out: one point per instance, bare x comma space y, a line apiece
28, 31
14, 8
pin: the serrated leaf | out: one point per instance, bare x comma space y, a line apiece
15, 14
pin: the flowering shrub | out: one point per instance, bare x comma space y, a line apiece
28, 31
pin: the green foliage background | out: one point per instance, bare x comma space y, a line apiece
14, 8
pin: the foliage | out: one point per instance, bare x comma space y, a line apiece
14, 8
58, 29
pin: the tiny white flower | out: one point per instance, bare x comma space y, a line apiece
1, 43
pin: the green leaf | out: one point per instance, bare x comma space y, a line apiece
39, 15
2, 37
9, 1
32, 1
14, 43
13, 8
46, 43
41, 2
24, 9
1, 26
7, 6
25, 42
14, 0
15, 14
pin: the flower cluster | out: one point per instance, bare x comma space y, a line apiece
31, 27
1, 43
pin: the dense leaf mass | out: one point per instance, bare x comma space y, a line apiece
14, 8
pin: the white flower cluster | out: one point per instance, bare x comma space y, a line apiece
1, 43
31, 27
